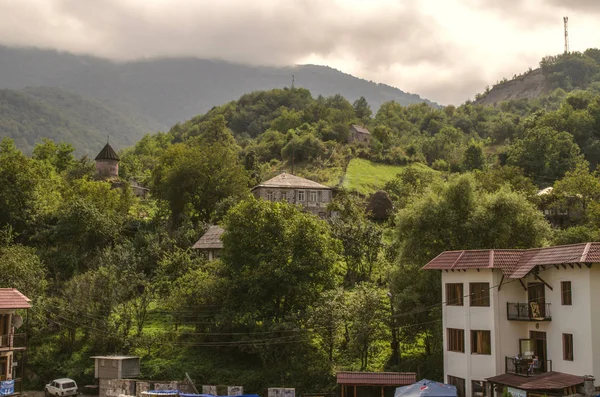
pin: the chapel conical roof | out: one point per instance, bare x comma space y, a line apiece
107, 153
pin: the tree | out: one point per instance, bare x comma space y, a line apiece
362, 109
278, 276
328, 317
579, 184
545, 154
473, 158
194, 179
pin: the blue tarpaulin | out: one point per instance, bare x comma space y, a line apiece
158, 392
426, 388
210, 395
7, 387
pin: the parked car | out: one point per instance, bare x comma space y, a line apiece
61, 387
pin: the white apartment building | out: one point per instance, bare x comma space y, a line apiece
539, 303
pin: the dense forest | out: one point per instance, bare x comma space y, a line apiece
293, 298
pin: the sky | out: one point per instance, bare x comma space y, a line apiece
444, 50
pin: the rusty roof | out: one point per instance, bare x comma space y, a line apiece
516, 263
361, 129
376, 378
284, 180
545, 381
11, 298
211, 239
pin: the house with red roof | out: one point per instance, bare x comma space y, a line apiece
12, 342
527, 321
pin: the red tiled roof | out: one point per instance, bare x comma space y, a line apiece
11, 298
516, 263
376, 378
546, 381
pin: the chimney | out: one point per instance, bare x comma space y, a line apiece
588, 385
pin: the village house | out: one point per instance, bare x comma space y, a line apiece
559, 210
313, 196
359, 134
210, 243
524, 320
12, 343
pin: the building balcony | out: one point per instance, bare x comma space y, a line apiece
13, 342
531, 311
526, 367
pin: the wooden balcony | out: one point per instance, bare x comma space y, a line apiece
13, 342
525, 367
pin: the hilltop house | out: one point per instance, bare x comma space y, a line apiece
313, 196
210, 242
359, 134
12, 343
526, 320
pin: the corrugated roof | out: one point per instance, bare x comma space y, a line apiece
361, 129
284, 180
115, 357
545, 381
376, 378
516, 263
107, 153
211, 239
11, 298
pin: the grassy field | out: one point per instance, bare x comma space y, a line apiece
366, 177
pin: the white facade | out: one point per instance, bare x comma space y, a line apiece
580, 319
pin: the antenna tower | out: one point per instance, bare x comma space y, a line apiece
566, 21
292, 81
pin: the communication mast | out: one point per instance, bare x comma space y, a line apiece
566, 21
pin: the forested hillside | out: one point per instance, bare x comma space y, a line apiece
31, 114
293, 298
167, 91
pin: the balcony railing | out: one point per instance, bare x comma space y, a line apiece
13, 341
531, 311
526, 367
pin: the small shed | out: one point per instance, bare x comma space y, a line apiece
373, 384
359, 134
109, 368
211, 242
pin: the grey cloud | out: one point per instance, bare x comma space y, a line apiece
527, 14
577, 5
244, 31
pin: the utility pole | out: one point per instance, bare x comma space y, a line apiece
292, 81
566, 22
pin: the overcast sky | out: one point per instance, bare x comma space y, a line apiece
444, 50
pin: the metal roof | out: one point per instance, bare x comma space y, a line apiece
361, 129
545, 381
516, 263
11, 298
284, 180
376, 378
107, 153
115, 357
211, 239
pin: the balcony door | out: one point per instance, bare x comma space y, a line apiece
539, 348
536, 297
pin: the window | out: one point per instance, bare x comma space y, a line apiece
568, 347
459, 383
312, 195
301, 195
283, 196
481, 342
454, 294
478, 388
270, 196
480, 294
565, 290
456, 340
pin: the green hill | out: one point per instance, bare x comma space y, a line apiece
31, 114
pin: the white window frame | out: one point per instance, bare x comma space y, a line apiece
312, 195
301, 195
270, 195
284, 196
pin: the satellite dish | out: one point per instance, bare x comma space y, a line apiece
17, 321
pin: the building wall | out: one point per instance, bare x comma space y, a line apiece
582, 319
130, 368
107, 167
107, 369
595, 316
466, 365
316, 207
